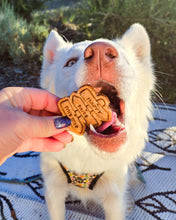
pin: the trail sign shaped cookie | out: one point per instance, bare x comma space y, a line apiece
85, 107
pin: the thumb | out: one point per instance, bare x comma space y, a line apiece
46, 126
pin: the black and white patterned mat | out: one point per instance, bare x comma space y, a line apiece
21, 184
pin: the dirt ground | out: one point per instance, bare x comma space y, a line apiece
26, 75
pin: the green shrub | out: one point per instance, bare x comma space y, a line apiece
25, 7
19, 40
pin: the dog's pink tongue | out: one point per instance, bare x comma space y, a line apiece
107, 124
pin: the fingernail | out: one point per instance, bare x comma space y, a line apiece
62, 122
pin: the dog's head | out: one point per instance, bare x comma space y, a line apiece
121, 69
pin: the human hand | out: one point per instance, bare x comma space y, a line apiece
29, 121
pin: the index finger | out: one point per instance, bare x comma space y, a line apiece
38, 99
28, 99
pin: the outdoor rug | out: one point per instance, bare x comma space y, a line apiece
153, 193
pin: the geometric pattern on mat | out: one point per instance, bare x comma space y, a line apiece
22, 193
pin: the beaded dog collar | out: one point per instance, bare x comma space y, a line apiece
81, 180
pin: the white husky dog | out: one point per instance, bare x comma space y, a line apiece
95, 165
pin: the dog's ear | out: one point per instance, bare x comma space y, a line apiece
136, 38
53, 43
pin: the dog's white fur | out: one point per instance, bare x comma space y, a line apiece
135, 83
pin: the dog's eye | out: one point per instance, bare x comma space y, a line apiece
71, 62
